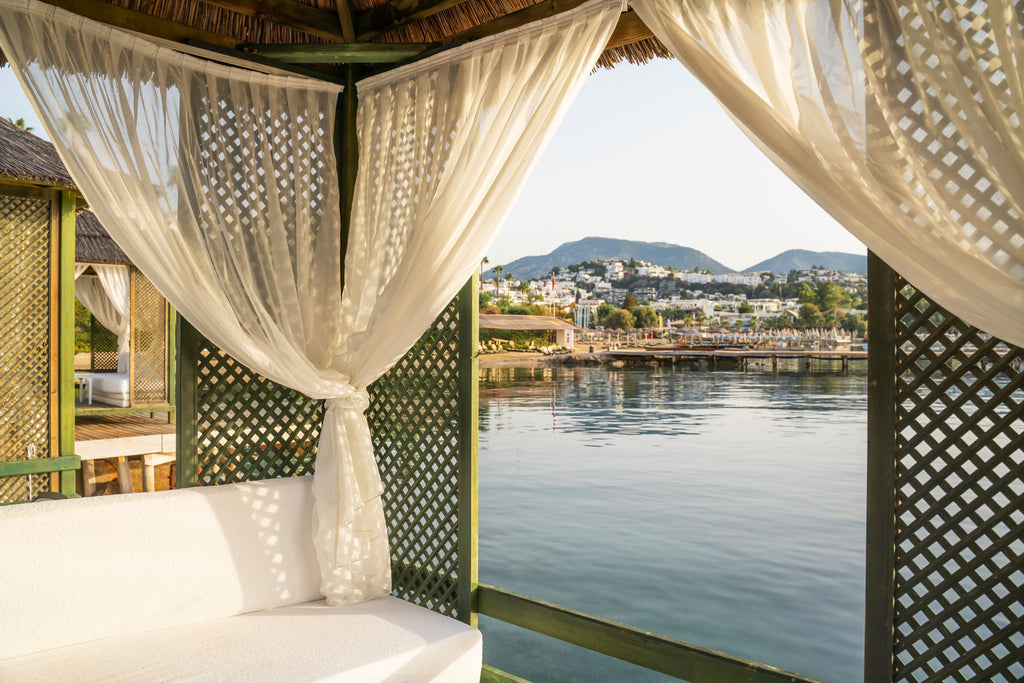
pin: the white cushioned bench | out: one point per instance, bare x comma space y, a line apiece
215, 584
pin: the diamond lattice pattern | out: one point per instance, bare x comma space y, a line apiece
24, 339
252, 428
104, 347
959, 613
149, 343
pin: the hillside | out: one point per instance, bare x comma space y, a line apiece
800, 259
591, 248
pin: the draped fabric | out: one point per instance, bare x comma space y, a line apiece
444, 148
107, 295
221, 185
117, 284
901, 118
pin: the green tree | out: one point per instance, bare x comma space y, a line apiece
807, 295
745, 307
644, 317
620, 319
629, 303
485, 299
831, 296
810, 316
519, 310
498, 270
603, 311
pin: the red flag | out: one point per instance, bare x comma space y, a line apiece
552, 282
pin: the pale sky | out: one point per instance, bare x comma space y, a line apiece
645, 153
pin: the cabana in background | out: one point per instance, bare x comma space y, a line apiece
137, 377
33, 392
37, 242
946, 401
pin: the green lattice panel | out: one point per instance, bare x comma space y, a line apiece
149, 343
252, 428
414, 417
959, 610
24, 339
249, 427
103, 347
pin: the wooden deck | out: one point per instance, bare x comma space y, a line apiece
118, 437
95, 427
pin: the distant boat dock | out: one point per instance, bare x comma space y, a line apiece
740, 357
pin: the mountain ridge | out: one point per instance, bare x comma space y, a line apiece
667, 254
596, 248
802, 259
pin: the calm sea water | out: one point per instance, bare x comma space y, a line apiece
724, 508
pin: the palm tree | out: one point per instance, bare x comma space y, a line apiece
483, 263
498, 270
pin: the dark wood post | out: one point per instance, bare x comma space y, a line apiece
881, 475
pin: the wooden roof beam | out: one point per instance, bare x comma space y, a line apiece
141, 23
345, 11
339, 53
317, 22
395, 13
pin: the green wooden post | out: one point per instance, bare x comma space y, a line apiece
881, 475
346, 150
66, 339
186, 402
172, 365
469, 406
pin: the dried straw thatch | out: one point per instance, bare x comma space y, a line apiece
28, 159
25, 158
237, 22
93, 244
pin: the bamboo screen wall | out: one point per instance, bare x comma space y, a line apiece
251, 428
149, 343
27, 372
959, 609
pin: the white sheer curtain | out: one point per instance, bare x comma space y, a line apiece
444, 148
902, 118
107, 295
221, 185
115, 282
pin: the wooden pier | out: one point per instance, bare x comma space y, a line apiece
740, 357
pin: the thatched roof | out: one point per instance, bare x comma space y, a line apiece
93, 244
233, 24
28, 159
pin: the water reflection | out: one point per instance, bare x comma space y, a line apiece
661, 401
724, 508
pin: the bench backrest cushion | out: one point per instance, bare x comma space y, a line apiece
79, 570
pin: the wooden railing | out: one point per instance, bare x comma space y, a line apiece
65, 466
649, 650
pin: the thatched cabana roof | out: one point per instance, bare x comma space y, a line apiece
93, 244
29, 159
249, 26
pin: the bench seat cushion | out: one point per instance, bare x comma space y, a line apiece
381, 640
